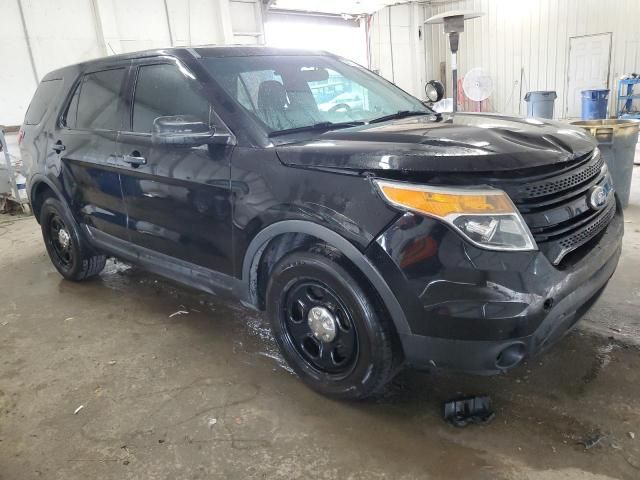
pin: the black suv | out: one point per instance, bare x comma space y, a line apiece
375, 232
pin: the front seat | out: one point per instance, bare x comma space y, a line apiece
272, 104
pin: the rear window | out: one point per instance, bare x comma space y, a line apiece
43, 97
95, 102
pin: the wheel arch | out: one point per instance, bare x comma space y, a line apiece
297, 232
41, 188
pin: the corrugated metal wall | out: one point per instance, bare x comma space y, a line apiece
532, 35
397, 49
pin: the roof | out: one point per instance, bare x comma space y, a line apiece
203, 51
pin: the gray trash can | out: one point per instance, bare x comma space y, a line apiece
617, 142
540, 104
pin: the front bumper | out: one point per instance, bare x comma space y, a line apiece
483, 311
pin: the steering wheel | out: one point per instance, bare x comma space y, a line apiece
341, 107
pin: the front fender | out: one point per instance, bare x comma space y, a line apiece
257, 246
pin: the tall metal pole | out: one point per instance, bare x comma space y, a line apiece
166, 14
453, 23
28, 40
454, 38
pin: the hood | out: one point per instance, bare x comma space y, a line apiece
462, 142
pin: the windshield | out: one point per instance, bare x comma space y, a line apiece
293, 92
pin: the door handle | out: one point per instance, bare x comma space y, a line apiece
135, 159
58, 147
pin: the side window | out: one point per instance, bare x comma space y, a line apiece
43, 97
162, 90
98, 100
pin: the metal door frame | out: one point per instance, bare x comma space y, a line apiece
566, 90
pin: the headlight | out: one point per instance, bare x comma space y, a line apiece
486, 217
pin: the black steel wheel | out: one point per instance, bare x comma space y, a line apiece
330, 326
60, 240
320, 328
68, 250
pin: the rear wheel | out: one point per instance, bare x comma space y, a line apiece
330, 326
68, 251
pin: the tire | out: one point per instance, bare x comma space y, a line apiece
341, 106
333, 368
68, 251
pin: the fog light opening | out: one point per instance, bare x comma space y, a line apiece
511, 356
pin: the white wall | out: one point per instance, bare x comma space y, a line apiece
397, 47
529, 34
58, 33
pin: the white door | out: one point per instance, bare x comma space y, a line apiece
589, 58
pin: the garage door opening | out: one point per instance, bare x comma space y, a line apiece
333, 33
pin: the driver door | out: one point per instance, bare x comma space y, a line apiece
177, 196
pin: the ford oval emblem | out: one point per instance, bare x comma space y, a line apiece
597, 198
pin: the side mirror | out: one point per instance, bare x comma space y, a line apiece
434, 91
182, 130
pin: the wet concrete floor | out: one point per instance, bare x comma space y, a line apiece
205, 395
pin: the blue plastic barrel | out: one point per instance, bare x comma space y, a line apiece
540, 103
594, 104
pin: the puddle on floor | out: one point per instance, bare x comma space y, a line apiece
253, 325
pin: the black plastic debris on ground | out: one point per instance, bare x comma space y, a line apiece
592, 440
463, 411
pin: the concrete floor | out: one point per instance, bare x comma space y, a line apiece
206, 395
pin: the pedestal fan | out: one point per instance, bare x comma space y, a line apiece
477, 86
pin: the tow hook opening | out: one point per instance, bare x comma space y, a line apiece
511, 356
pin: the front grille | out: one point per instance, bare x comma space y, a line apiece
556, 207
562, 182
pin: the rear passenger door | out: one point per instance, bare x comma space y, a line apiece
85, 141
177, 196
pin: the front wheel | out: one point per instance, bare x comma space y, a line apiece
329, 326
67, 249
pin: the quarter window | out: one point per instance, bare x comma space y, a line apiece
45, 93
98, 101
163, 90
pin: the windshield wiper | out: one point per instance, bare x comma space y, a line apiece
400, 114
322, 126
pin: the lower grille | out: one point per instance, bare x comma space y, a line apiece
556, 250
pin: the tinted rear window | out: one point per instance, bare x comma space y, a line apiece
43, 97
99, 99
